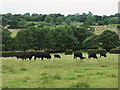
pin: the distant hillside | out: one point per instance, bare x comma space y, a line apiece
98, 29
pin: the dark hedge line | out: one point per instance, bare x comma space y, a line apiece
68, 52
13, 54
115, 51
97, 51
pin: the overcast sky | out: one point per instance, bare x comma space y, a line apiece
97, 7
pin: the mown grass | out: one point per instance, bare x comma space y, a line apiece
61, 73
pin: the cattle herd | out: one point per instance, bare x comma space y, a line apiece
43, 55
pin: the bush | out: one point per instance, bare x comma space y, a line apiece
97, 51
92, 51
68, 52
115, 51
12, 54
101, 51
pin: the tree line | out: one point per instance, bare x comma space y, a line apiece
58, 38
17, 21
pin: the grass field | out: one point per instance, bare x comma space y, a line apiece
61, 73
100, 29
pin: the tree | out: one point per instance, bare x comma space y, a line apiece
91, 42
8, 15
6, 39
59, 20
4, 21
48, 19
81, 33
64, 38
106, 21
68, 21
22, 23
90, 19
27, 14
100, 22
113, 20
108, 39
14, 24
26, 38
49, 40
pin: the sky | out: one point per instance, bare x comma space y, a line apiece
97, 7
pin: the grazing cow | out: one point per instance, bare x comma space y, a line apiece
25, 56
47, 55
20, 56
103, 54
28, 55
92, 55
78, 54
83, 57
57, 56
42, 55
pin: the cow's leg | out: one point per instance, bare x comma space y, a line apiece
42, 58
74, 57
16, 57
81, 58
30, 58
34, 57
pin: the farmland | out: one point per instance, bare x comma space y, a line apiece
61, 73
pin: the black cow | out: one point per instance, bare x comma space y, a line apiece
25, 56
47, 55
42, 55
103, 54
28, 55
57, 56
20, 56
92, 55
78, 54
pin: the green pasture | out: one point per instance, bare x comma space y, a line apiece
61, 73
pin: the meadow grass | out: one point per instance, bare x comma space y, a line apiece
61, 73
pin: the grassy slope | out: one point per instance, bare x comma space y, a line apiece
98, 29
61, 73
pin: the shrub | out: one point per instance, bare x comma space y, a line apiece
92, 51
10, 54
97, 51
68, 52
13, 54
115, 51
101, 51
